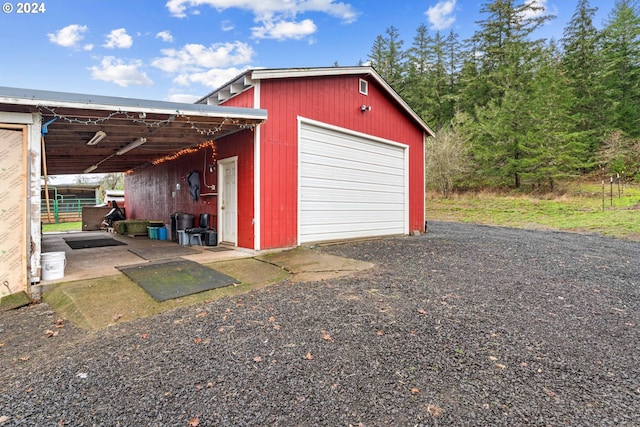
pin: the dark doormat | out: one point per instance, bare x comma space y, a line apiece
219, 249
92, 243
175, 279
162, 252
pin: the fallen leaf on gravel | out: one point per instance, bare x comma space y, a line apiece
58, 322
276, 327
257, 359
434, 410
524, 364
144, 336
202, 314
380, 333
422, 311
4, 419
548, 392
272, 319
326, 336
221, 329
308, 356
24, 359
194, 422
49, 333
1, 344
500, 366
209, 384
493, 358
415, 390
197, 340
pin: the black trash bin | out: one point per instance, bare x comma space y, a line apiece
184, 221
211, 238
180, 221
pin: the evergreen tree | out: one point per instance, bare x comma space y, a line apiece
417, 67
552, 149
387, 57
621, 69
581, 65
506, 61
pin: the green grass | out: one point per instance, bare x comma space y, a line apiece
63, 226
578, 209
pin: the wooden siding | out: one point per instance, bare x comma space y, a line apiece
337, 101
334, 100
149, 189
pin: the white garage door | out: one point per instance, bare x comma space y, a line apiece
350, 185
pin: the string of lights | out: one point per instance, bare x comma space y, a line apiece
141, 119
191, 150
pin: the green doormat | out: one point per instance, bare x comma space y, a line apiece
175, 279
92, 243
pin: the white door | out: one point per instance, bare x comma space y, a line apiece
228, 200
350, 185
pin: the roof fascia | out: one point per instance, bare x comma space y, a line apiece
36, 98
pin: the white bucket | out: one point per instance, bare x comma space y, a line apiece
53, 264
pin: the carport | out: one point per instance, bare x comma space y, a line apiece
51, 133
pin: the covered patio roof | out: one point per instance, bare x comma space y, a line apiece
130, 132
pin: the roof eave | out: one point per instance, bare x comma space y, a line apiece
16, 96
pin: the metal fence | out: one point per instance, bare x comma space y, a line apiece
65, 209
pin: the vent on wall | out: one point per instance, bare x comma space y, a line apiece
364, 87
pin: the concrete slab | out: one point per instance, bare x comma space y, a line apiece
94, 294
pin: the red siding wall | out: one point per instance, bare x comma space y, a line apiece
333, 100
149, 191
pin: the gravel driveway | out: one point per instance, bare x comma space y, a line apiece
466, 325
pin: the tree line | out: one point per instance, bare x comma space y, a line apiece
514, 111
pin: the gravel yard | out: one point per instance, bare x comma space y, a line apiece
465, 325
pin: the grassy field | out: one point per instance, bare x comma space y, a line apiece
579, 208
63, 226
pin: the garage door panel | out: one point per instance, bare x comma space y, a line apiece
322, 233
360, 171
355, 186
350, 185
333, 151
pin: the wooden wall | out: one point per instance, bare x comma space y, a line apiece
152, 191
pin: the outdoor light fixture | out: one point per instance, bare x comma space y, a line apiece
364, 108
138, 142
99, 136
91, 168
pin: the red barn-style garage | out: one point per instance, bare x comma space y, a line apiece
340, 156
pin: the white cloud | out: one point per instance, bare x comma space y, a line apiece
212, 78
530, 14
344, 11
165, 36
118, 39
441, 15
183, 97
276, 18
227, 25
198, 58
123, 74
69, 36
283, 30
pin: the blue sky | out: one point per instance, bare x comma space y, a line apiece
179, 50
